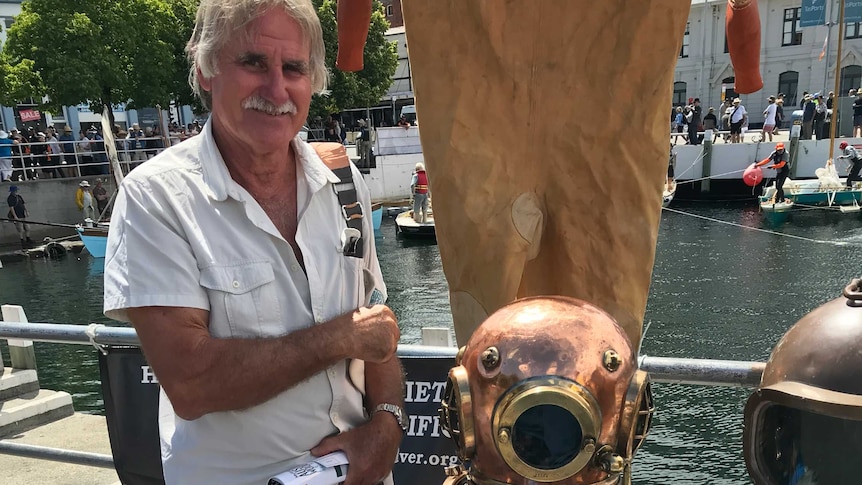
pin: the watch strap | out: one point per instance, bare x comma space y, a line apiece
396, 411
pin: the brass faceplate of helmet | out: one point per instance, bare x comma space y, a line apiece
636, 419
547, 391
456, 412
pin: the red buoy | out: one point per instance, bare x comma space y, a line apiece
752, 175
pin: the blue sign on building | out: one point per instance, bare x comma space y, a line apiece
852, 11
814, 13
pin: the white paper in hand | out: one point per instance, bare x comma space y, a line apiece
329, 469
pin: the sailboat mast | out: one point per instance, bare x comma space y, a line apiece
834, 123
828, 46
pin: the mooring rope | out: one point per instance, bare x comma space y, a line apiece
699, 157
711, 176
743, 226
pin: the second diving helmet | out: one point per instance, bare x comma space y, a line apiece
804, 424
546, 390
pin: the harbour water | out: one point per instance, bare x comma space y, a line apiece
719, 291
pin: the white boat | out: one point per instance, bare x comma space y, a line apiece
406, 226
827, 190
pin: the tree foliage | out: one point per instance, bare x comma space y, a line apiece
355, 89
100, 52
108, 52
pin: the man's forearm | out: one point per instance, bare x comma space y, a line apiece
234, 374
384, 383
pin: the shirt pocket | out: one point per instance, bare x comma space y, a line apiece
243, 300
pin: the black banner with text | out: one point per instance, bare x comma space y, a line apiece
131, 395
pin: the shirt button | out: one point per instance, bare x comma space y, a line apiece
332, 372
236, 284
294, 268
319, 319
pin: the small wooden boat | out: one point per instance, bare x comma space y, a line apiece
668, 193
405, 226
95, 239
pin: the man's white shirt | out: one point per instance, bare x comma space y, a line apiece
185, 234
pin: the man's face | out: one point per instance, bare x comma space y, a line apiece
262, 92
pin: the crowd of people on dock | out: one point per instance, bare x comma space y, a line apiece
815, 112
57, 153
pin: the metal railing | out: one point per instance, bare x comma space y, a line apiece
661, 369
709, 372
79, 158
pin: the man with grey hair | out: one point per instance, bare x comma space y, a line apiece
226, 254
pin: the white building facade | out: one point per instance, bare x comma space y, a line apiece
791, 61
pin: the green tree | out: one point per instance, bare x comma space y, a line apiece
102, 52
355, 89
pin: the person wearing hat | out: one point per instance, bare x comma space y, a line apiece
769, 119
364, 140
85, 200
136, 144
101, 195
819, 116
18, 212
780, 161
779, 113
809, 109
850, 154
710, 122
5, 157
738, 115
67, 147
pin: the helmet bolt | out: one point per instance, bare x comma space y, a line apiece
611, 462
490, 358
612, 360
503, 435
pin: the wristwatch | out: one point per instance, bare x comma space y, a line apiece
396, 411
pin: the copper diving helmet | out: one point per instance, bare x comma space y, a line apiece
804, 423
546, 390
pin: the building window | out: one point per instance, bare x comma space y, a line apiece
728, 83
8, 21
851, 78
389, 10
679, 91
788, 83
726, 49
686, 39
792, 27
853, 31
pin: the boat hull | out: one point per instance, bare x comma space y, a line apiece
377, 216
95, 241
406, 227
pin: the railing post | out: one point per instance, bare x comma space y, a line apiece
437, 337
21, 352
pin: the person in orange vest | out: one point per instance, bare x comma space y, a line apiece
421, 193
781, 163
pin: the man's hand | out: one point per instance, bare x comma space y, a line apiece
370, 448
375, 333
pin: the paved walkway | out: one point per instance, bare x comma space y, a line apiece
79, 432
